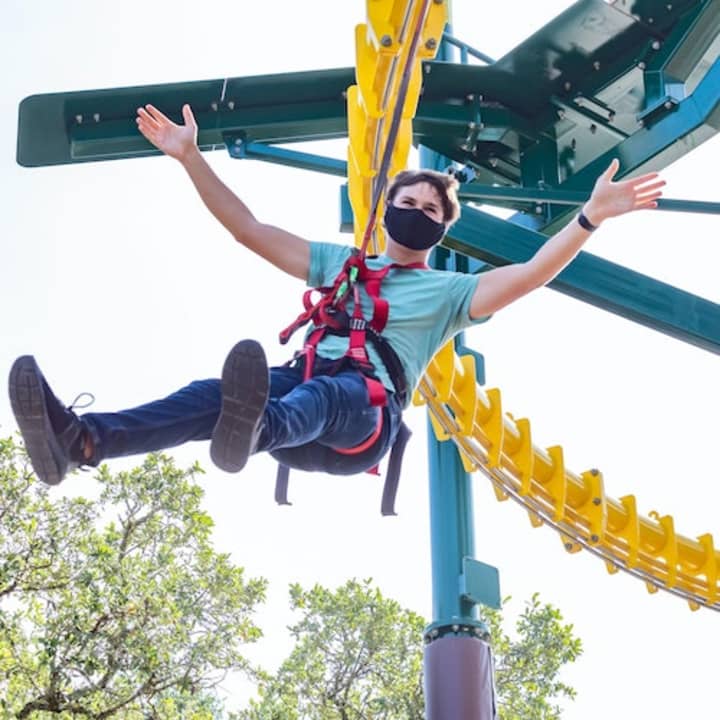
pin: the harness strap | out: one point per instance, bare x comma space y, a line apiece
392, 475
281, 485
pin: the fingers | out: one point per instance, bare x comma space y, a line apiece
647, 190
610, 173
647, 205
188, 116
157, 116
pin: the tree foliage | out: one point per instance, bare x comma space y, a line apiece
118, 607
358, 656
528, 664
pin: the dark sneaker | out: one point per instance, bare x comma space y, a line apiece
52, 433
245, 387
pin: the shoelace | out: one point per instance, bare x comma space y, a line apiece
75, 403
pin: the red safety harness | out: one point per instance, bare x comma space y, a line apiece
329, 315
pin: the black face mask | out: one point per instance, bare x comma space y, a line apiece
412, 228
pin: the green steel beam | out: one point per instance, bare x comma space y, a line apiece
594, 280
672, 66
680, 130
472, 192
466, 51
240, 149
94, 125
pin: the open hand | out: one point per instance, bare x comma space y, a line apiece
174, 140
610, 199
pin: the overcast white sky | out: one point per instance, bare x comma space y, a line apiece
120, 283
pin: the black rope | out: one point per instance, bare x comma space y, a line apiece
394, 126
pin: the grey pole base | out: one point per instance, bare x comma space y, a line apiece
459, 679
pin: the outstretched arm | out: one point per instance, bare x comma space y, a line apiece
501, 286
286, 251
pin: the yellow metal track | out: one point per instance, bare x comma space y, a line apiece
491, 441
487, 438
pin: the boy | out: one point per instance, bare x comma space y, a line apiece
346, 415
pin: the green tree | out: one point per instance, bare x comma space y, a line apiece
118, 607
358, 656
528, 664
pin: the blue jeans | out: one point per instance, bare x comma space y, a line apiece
303, 422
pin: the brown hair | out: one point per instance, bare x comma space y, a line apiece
446, 186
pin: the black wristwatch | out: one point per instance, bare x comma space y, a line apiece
585, 223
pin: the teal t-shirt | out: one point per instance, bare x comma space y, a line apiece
427, 308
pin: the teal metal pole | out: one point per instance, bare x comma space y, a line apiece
458, 672
452, 533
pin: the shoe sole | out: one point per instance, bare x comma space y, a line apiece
27, 400
245, 388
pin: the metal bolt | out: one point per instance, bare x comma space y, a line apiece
435, 633
650, 21
96, 117
470, 97
596, 65
231, 104
438, 2
567, 86
493, 162
597, 501
214, 106
611, 116
471, 125
238, 141
455, 628
656, 45
669, 7
431, 44
428, 69
538, 209
561, 114
594, 538
641, 123
594, 472
79, 119
386, 41
668, 105
642, 65
568, 546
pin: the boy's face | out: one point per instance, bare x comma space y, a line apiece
422, 195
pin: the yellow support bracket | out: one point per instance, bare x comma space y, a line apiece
709, 568
520, 451
441, 371
492, 424
669, 550
630, 532
464, 388
595, 509
555, 482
